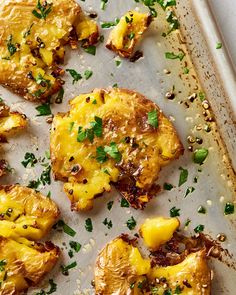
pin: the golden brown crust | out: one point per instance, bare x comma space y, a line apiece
144, 148
130, 30
32, 46
25, 266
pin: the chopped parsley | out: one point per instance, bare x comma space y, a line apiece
108, 25
29, 159
167, 186
189, 190
89, 225
200, 155
124, 203
75, 246
44, 110
218, 45
90, 49
101, 156
103, 4
113, 151
88, 74
107, 223
89, 133
40, 80
66, 228
65, 269
229, 208
10, 46
187, 222
42, 10
174, 212
172, 20
75, 75
201, 210
183, 177
131, 223
199, 228
172, 55
153, 118
109, 205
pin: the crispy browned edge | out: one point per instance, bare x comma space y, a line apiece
126, 184
127, 53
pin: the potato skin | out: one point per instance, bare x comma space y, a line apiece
37, 45
25, 265
145, 149
30, 214
10, 123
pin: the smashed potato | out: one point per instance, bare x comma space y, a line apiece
121, 269
10, 122
25, 213
33, 44
127, 33
23, 266
25, 216
114, 135
118, 266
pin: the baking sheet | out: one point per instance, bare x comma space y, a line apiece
215, 184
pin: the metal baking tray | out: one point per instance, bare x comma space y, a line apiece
210, 72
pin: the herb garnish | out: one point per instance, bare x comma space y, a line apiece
42, 10
200, 156
131, 223
199, 228
75, 246
174, 212
107, 25
172, 55
44, 110
153, 118
189, 190
65, 269
75, 75
90, 49
201, 210
229, 208
109, 205
88, 74
167, 186
10, 46
89, 225
113, 151
107, 223
29, 159
103, 4
66, 228
183, 177
218, 45
89, 133
124, 203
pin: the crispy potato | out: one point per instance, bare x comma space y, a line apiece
23, 266
126, 149
10, 122
118, 266
192, 276
127, 33
121, 269
33, 45
157, 231
25, 213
